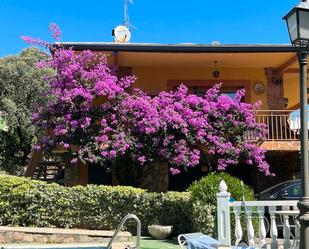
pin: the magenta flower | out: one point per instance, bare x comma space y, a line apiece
55, 31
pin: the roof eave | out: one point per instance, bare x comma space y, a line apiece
179, 48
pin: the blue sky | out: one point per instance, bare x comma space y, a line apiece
160, 21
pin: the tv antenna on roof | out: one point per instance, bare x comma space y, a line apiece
122, 33
126, 14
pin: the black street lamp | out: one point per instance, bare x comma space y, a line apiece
298, 25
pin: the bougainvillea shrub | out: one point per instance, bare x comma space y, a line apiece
175, 127
71, 119
178, 127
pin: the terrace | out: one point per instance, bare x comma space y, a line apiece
283, 129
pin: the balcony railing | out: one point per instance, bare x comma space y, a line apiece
282, 125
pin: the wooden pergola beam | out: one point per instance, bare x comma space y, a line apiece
285, 66
293, 70
33, 163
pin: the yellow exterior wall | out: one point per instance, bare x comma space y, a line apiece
154, 70
291, 89
154, 79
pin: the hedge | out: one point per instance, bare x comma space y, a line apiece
25, 202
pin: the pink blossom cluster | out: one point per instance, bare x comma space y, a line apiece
176, 126
71, 118
71, 115
55, 31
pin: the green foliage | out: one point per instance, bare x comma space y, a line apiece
25, 202
10, 154
21, 85
3, 126
203, 194
204, 218
206, 188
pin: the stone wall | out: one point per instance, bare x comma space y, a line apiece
155, 177
71, 175
53, 235
76, 174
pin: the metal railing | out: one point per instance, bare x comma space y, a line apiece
138, 231
282, 125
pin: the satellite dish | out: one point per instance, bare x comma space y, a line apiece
215, 43
122, 34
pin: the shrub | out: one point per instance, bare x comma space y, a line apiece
206, 188
203, 194
25, 202
204, 218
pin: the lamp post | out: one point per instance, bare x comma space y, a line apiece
298, 25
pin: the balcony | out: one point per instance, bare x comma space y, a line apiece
283, 129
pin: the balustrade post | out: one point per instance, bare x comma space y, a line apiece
262, 230
223, 215
238, 228
297, 233
250, 230
286, 232
273, 228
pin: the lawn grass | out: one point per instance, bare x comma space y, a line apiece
151, 243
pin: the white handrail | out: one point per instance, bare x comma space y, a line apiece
264, 203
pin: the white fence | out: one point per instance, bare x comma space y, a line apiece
281, 212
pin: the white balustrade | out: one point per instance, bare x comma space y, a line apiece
223, 214
273, 228
238, 229
285, 210
286, 231
250, 230
262, 229
297, 233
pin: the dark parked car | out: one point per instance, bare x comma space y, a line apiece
289, 190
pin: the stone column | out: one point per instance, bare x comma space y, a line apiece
223, 215
76, 174
155, 178
275, 90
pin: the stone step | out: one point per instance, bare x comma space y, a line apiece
58, 235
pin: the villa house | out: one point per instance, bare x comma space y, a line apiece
268, 73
